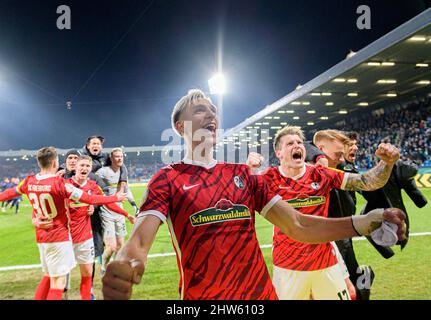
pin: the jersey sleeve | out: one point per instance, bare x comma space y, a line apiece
263, 197
21, 188
337, 178
156, 200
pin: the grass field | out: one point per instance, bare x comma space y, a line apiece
406, 276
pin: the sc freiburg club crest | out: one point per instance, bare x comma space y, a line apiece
224, 210
238, 182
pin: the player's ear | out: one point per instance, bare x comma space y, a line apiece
179, 125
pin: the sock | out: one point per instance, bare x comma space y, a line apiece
42, 289
55, 294
85, 288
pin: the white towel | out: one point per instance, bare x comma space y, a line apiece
386, 235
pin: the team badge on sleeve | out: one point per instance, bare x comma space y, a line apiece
315, 185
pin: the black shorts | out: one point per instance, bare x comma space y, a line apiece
96, 226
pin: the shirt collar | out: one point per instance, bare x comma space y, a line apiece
45, 176
210, 165
299, 176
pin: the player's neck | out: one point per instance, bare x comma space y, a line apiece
79, 180
115, 168
291, 172
44, 172
205, 156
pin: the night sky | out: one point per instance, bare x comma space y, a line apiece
125, 63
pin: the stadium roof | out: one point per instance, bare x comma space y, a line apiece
393, 68
138, 150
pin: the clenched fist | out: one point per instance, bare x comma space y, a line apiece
388, 153
119, 278
254, 160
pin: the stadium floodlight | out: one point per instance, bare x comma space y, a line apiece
342, 112
310, 123
217, 84
424, 82
363, 104
329, 103
422, 65
311, 111
388, 64
352, 94
386, 81
352, 80
323, 118
418, 38
374, 64
326, 94
339, 80
391, 94
295, 118
295, 103
305, 103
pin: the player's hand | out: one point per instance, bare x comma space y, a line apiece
323, 161
254, 160
61, 173
90, 210
388, 153
41, 223
119, 278
131, 218
121, 196
398, 217
365, 224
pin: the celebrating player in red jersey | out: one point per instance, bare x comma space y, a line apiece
303, 270
210, 210
47, 194
80, 223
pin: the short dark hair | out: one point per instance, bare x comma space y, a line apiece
95, 136
352, 135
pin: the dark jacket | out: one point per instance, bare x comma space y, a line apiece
402, 177
103, 160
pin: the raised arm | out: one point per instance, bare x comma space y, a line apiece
314, 229
378, 176
129, 264
9, 194
78, 195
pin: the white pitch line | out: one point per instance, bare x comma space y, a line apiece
168, 254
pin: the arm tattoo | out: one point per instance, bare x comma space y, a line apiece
373, 179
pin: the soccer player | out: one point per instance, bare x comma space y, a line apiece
80, 224
304, 270
113, 225
47, 194
210, 210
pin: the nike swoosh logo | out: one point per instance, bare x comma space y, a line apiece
185, 188
281, 187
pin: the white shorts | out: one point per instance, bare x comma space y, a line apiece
341, 262
84, 252
57, 258
325, 284
113, 224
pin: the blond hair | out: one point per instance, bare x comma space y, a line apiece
292, 130
184, 102
84, 157
116, 150
330, 135
46, 156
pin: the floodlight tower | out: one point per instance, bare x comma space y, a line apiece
217, 85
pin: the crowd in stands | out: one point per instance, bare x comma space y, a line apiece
408, 127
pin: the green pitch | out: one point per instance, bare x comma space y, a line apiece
404, 276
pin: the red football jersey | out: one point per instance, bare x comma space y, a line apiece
211, 217
308, 194
80, 221
47, 195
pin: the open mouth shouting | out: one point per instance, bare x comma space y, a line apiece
297, 155
211, 127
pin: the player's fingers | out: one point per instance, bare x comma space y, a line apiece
138, 270
120, 269
119, 284
110, 293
